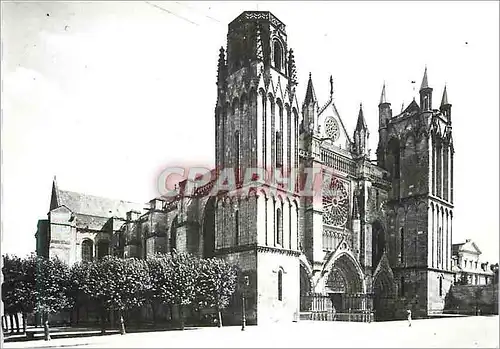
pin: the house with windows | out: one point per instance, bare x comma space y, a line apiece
468, 266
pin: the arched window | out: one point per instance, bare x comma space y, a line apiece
278, 55
439, 247
402, 243
402, 289
440, 286
237, 155
279, 150
279, 227
87, 250
237, 227
280, 285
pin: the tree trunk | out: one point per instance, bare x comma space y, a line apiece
46, 329
219, 317
122, 323
25, 322
11, 317
16, 318
153, 311
103, 321
181, 316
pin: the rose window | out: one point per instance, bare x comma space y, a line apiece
335, 203
332, 128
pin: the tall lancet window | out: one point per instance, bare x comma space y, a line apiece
279, 227
278, 55
237, 156
402, 244
279, 150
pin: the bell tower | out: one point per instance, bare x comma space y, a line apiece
256, 132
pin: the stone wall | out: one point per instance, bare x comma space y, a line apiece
271, 309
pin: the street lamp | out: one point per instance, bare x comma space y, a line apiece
243, 315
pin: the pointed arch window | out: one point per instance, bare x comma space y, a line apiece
278, 55
402, 289
280, 285
440, 286
279, 227
87, 250
279, 150
402, 243
237, 155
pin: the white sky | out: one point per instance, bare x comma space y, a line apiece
105, 95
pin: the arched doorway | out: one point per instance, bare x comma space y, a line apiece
345, 285
384, 294
209, 229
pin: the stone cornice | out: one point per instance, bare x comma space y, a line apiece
257, 248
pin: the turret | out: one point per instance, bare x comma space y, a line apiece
384, 115
310, 106
445, 106
361, 134
425, 94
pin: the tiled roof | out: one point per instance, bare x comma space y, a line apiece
90, 222
95, 205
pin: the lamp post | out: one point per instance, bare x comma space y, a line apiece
243, 310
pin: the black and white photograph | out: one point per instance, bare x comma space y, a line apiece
218, 174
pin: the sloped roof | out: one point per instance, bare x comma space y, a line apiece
96, 206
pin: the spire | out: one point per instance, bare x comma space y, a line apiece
425, 83
361, 124
259, 53
221, 67
383, 97
310, 94
444, 100
331, 86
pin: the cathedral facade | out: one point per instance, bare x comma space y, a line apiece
332, 232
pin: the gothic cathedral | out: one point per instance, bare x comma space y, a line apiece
369, 241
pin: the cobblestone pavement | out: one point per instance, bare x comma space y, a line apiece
464, 332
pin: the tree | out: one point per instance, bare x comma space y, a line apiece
118, 284
217, 283
79, 277
160, 292
52, 283
18, 287
184, 271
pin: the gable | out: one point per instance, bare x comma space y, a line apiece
329, 119
96, 206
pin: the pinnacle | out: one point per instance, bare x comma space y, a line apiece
425, 83
444, 100
383, 97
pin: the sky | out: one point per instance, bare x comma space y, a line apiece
106, 95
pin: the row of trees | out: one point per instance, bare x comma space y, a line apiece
41, 285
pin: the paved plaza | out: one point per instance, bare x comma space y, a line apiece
463, 332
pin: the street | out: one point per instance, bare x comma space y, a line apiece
464, 332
